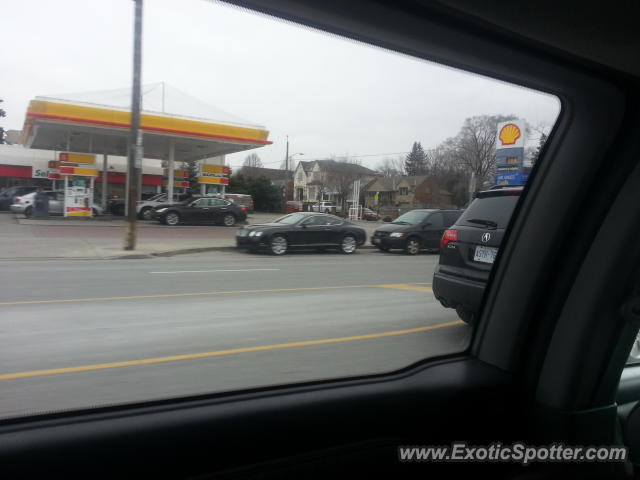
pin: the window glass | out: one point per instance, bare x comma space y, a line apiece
290, 219
436, 220
254, 300
315, 220
414, 217
490, 211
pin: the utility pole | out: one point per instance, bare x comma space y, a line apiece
134, 157
286, 178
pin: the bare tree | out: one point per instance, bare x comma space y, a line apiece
391, 167
2, 115
475, 146
252, 160
341, 175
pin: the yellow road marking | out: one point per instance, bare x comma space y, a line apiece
194, 294
406, 286
219, 353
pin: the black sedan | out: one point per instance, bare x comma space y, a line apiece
302, 229
202, 210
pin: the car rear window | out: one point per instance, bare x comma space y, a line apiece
496, 209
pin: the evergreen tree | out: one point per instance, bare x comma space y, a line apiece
416, 161
536, 153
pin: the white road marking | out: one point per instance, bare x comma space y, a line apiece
235, 270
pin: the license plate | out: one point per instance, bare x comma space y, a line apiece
485, 254
376, 240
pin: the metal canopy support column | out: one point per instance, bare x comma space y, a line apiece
126, 186
91, 187
139, 187
105, 174
170, 167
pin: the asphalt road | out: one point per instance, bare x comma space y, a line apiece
81, 333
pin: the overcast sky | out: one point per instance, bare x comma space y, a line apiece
331, 96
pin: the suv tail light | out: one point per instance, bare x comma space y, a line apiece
448, 236
244, 209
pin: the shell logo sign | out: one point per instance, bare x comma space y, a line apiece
509, 134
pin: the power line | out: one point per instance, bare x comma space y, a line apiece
345, 156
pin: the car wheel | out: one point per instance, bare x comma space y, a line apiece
465, 315
229, 220
28, 212
172, 218
278, 245
326, 210
349, 244
413, 246
145, 213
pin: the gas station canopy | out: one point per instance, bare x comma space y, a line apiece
98, 122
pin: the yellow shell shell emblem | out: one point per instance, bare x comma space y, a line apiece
509, 134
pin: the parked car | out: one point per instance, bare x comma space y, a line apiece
144, 208
294, 206
8, 196
211, 210
415, 230
325, 207
468, 250
116, 206
368, 214
24, 204
241, 199
302, 229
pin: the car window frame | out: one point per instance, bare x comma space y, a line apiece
504, 61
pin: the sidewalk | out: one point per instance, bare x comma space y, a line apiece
103, 237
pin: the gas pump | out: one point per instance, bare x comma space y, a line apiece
78, 184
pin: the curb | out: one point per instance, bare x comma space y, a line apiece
146, 256
186, 251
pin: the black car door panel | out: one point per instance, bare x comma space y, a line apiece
432, 230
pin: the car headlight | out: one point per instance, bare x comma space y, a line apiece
397, 234
161, 210
254, 233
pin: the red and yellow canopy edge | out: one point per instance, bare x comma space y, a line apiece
151, 123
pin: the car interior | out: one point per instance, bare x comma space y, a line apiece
548, 360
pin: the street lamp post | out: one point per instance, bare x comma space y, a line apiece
286, 176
